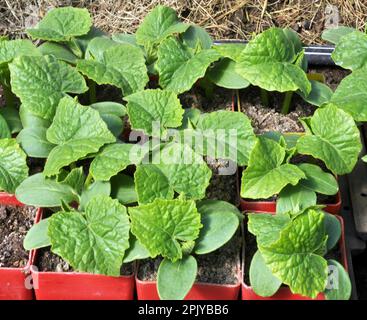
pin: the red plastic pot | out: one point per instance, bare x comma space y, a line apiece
147, 290
81, 286
284, 293
13, 280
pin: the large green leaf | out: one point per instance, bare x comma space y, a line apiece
13, 165
11, 116
293, 257
262, 281
174, 168
40, 83
160, 23
77, 131
320, 93
123, 189
175, 279
351, 51
220, 221
230, 50
94, 241
136, 251
334, 35
9, 50
4, 128
223, 134
267, 62
351, 94
59, 51
37, 237
122, 65
97, 188
266, 174
154, 107
197, 38
179, 67
161, 225
39, 191
115, 158
335, 139
62, 24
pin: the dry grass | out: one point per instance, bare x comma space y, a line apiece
222, 18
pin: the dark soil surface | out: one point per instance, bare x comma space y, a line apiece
220, 267
14, 225
221, 187
50, 262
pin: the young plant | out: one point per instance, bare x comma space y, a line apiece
331, 136
178, 230
291, 251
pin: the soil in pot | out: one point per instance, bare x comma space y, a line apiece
14, 224
50, 262
219, 267
270, 119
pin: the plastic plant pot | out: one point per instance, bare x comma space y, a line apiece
284, 293
81, 286
13, 280
147, 290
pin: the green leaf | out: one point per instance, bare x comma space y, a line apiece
125, 38
160, 23
230, 50
267, 62
335, 34
75, 179
123, 189
11, 116
94, 241
341, 287
136, 251
34, 142
175, 279
263, 282
40, 83
196, 37
295, 198
114, 124
81, 42
86, 133
179, 68
122, 65
115, 158
30, 120
226, 135
44, 192
58, 51
109, 107
37, 236
320, 94
351, 51
335, 139
95, 189
4, 128
175, 167
163, 224
267, 227
333, 230
293, 257
190, 118
224, 74
97, 46
154, 106
9, 50
266, 174
62, 24
318, 180
151, 183
351, 95
13, 165
220, 222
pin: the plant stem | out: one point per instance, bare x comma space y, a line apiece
9, 97
287, 102
238, 100
88, 181
92, 91
264, 98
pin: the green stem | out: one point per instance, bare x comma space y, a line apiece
287, 102
264, 98
92, 91
9, 97
88, 181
